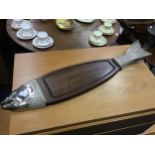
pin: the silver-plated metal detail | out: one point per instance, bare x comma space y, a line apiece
133, 53
29, 95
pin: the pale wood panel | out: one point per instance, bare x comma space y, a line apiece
131, 91
4, 122
150, 131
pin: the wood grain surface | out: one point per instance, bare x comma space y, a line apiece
130, 93
150, 131
63, 84
4, 122
75, 39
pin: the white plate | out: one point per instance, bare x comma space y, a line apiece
51, 42
101, 42
86, 20
111, 31
18, 34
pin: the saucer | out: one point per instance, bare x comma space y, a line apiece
15, 26
113, 21
65, 24
51, 42
110, 31
19, 35
42, 44
86, 20
98, 42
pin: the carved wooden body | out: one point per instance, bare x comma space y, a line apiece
71, 81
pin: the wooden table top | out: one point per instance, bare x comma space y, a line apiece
130, 92
75, 39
